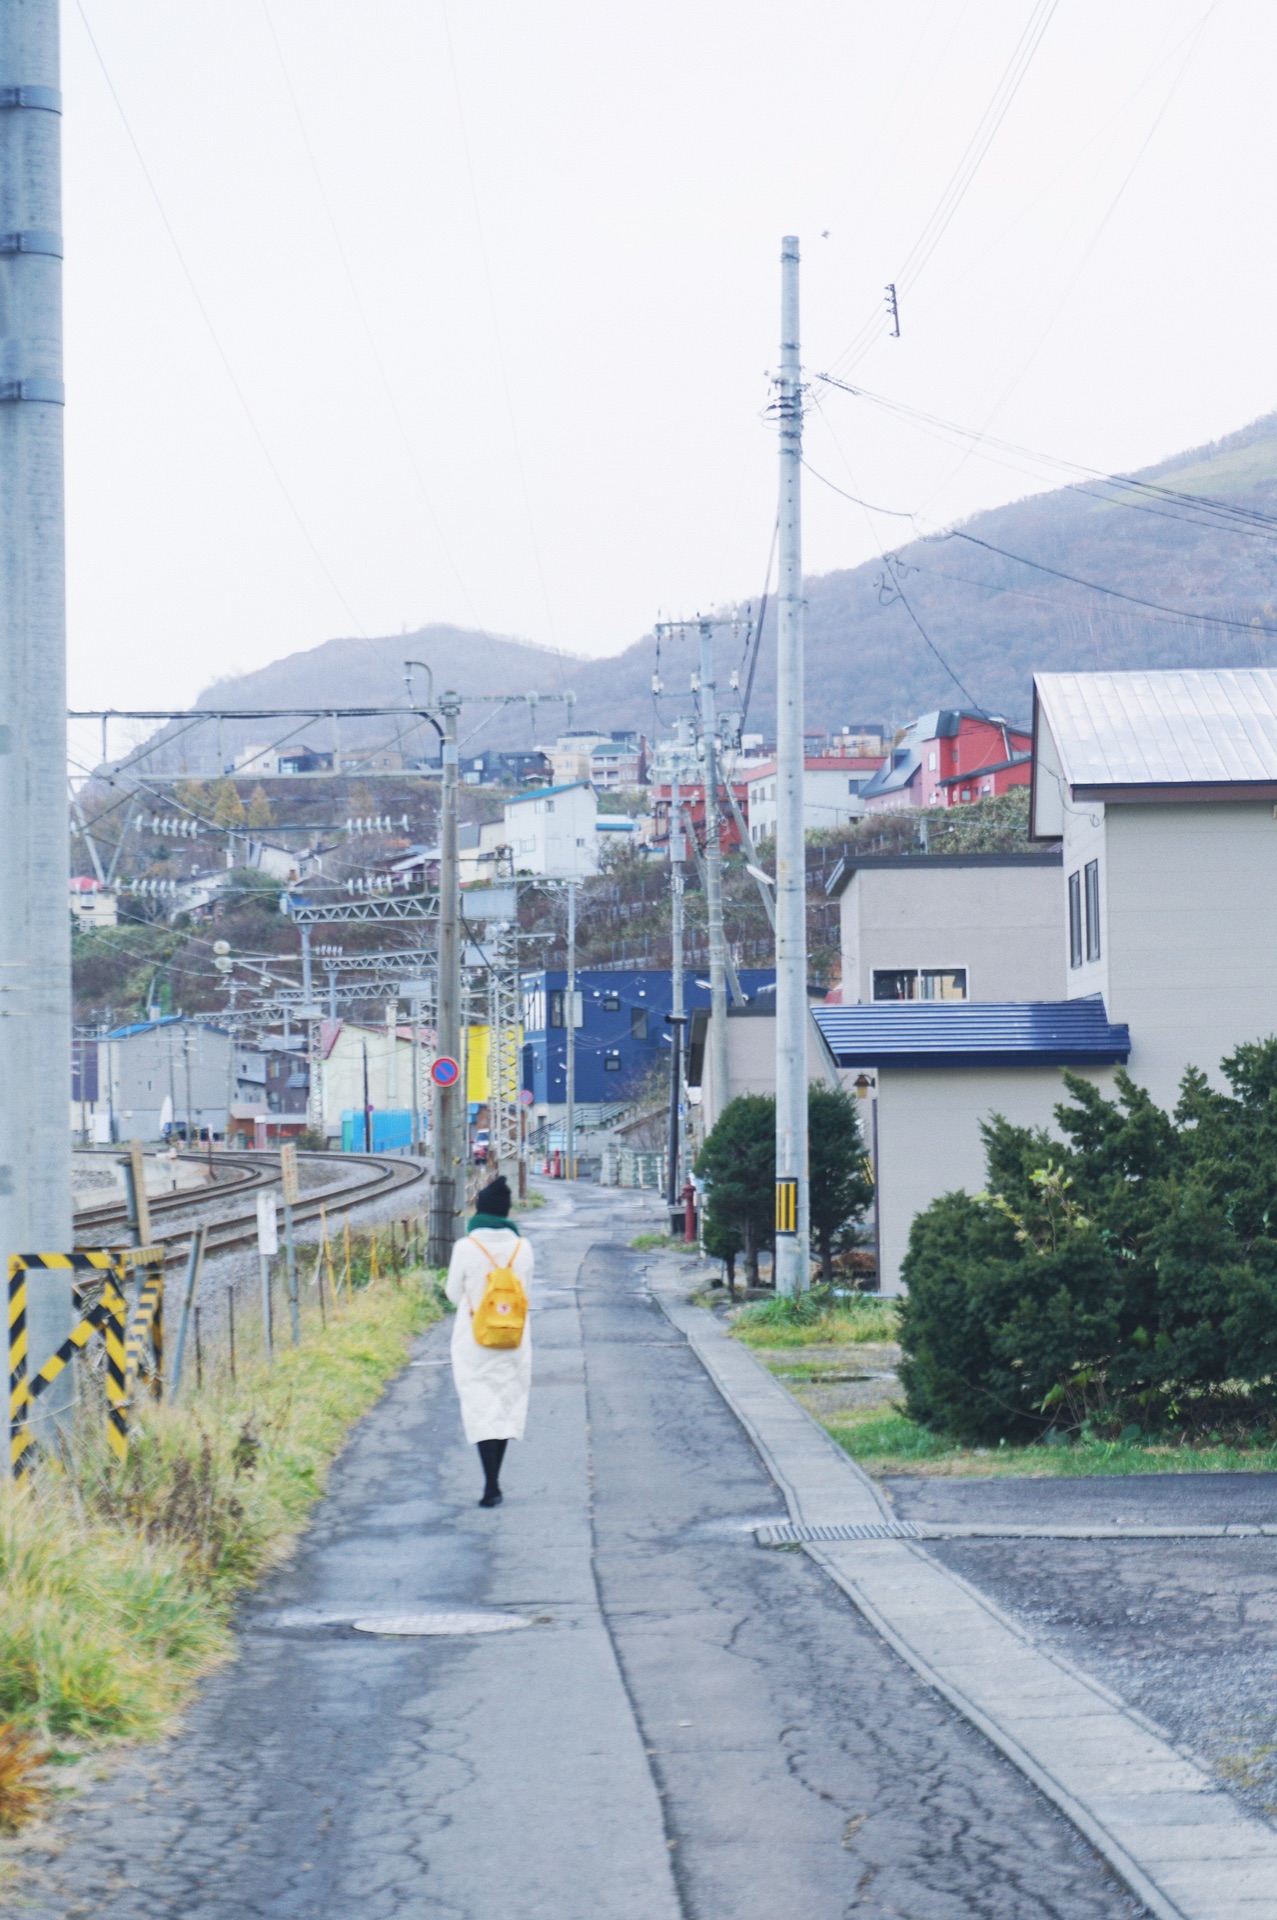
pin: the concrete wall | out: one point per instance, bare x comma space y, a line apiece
929, 1136
1003, 924
181, 1063
389, 1074
1188, 896
751, 1057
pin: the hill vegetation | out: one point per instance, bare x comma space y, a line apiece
1197, 535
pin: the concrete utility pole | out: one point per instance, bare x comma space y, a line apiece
793, 1204
569, 1029
678, 1011
35, 952
448, 1157
713, 882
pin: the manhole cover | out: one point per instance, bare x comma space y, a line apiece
440, 1623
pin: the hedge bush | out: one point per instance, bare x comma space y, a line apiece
1120, 1281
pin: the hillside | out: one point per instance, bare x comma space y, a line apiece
993, 619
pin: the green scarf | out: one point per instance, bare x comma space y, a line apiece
490, 1223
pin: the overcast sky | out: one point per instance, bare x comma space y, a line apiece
482, 298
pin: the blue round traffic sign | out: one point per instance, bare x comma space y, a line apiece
445, 1072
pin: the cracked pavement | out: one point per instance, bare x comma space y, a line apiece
692, 1728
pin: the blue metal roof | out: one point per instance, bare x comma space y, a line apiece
974, 1033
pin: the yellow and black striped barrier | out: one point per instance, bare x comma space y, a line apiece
124, 1335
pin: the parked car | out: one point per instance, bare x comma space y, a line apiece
480, 1147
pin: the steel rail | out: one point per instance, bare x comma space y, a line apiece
239, 1231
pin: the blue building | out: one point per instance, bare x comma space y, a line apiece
621, 1032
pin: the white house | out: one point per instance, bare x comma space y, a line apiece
950, 926
1163, 788
550, 830
92, 905
832, 786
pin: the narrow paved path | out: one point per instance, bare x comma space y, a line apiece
692, 1728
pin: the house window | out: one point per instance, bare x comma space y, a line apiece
925, 983
549, 806
943, 983
611, 1003
611, 1063
1092, 909
638, 1023
1075, 919
558, 1001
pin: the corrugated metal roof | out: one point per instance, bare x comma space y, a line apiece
1217, 727
972, 1033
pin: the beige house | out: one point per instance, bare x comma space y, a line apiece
344, 1046
951, 926
1163, 788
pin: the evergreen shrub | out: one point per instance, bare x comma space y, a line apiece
1120, 1282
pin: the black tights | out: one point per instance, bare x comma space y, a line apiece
492, 1453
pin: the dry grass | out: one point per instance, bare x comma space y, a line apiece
116, 1584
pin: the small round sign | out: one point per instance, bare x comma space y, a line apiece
526, 1097
445, 1072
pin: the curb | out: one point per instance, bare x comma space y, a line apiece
1178, 1842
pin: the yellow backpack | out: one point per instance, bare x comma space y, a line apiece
501, 1315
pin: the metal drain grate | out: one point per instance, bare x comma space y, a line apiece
420, 1625
789, 1535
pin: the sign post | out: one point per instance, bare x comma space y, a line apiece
267, 1248
292, 1194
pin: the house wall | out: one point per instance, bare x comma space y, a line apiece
1188, 929
1003, 924
554, 834
751, 1058
389, 1074
149, 1067
929, 1140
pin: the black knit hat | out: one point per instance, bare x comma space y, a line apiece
494, 1198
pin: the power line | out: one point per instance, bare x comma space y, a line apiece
986, 130
1114, 593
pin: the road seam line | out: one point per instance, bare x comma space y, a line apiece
958, 1617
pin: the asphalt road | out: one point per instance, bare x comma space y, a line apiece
691, 1729
1183, 1630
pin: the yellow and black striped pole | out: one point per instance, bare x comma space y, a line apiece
19, 1393
108, 1313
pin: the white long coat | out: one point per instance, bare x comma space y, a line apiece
492, 1383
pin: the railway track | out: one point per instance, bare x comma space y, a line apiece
175, 1216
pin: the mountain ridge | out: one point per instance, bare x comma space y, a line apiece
962, 616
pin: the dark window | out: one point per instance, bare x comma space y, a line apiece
611, 1003
1092, 909
612, 1063
558, 1001
1075, 919
638, 1023
895, 986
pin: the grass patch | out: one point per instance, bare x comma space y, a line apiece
116, 1584
816, 1318
651, 1242
886, 1441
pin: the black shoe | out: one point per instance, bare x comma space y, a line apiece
492, 1499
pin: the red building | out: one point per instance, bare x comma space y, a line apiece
949, 759
692, 804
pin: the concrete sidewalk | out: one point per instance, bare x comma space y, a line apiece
1180, 1843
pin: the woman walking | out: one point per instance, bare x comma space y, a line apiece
492, 1380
